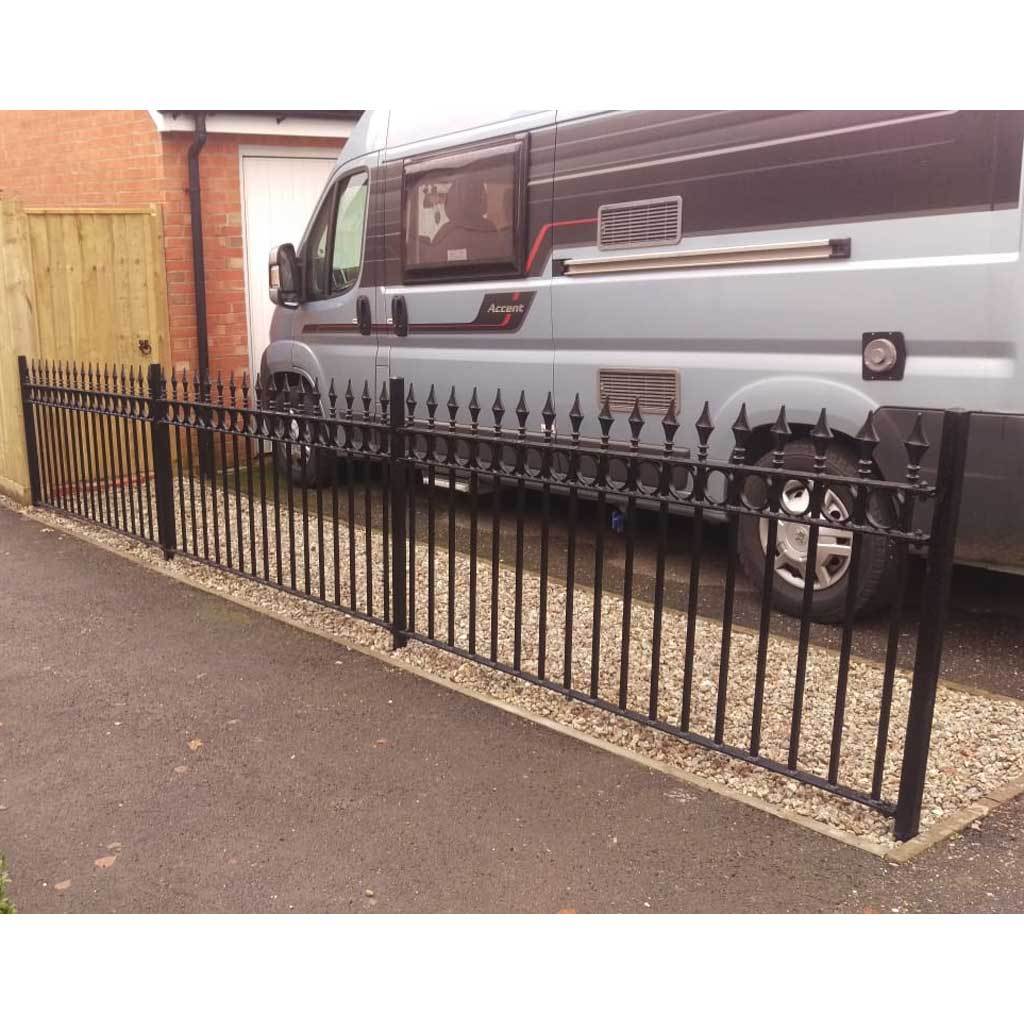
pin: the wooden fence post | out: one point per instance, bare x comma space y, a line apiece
18, 337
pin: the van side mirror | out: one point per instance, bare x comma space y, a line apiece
284, 276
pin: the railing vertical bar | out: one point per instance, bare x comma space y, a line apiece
28, 417
767, 584
222, 428
398, 498
47, 493
659, 604
52, 488
321, 562
89, 477
934, 610
191, 438
891, 652
570, 576
721, 705
275, 447
335, 515
290, 488
496, 497
704, 428
474, 541
350, 484
627, 589
135, 406
236, 471
431, 528
250, 497
161, 444
74, 450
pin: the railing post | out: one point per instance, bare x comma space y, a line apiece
161, 445
31, 447
399, 498
934, 606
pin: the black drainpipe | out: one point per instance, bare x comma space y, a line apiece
199, 276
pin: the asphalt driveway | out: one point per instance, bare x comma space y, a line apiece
163, 750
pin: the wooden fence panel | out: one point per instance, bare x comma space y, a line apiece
84, 286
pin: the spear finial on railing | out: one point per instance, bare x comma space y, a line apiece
366, 399
385, 401
498, 411
349, 399
741, 435
410, 402
453, 409
605, 420
431, 406
820, 437
332, 400
867, 442
670, 425
576, 419
780, 436
474, 410
636, 424
547, 414
522, 413
917, 445
705, 427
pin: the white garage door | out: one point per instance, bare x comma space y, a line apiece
278, 197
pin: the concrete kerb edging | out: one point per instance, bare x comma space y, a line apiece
901, 854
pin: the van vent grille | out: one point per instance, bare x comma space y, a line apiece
654, 389
631, 225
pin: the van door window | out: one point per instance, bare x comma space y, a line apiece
463, 214
348, 233
315, 252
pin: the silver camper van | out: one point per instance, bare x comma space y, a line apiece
854, 260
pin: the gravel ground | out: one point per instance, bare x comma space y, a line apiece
977, 742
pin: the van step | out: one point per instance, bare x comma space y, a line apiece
485, 485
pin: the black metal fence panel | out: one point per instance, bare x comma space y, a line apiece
380, 509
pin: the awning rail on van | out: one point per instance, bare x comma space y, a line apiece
818, 249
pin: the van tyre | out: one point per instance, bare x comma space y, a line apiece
304, 464
876, 572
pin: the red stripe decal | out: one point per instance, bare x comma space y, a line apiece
545, 229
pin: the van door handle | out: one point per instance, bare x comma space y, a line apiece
363, 315
400, 316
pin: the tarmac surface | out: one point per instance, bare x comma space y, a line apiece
163, 750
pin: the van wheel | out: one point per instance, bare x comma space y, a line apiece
305, 465
832, 571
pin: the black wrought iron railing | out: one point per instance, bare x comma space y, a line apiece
421, 525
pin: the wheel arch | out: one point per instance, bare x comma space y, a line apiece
846, 409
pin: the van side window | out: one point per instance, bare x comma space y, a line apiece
315, 250
464, 214
348, 233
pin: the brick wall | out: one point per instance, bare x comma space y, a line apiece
80, 157
117, 158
